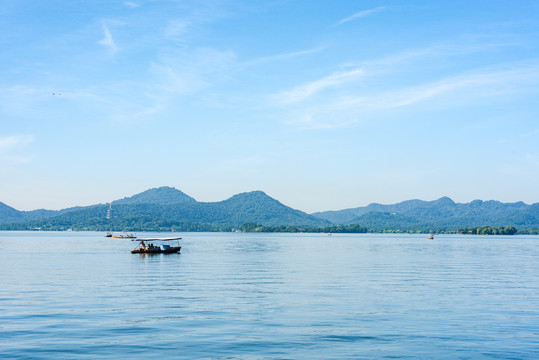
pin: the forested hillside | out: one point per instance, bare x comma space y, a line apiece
441, 213
167, 209
158, 214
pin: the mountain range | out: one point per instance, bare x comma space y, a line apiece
166, 208
163, 208
441, 213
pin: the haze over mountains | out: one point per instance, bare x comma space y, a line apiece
167, 208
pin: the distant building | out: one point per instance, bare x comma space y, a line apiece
110, 212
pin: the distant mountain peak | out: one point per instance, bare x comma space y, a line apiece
255, 193
161, 195
444, 200
256, 196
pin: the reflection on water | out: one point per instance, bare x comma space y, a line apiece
270, 296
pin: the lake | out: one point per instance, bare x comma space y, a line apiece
79, 295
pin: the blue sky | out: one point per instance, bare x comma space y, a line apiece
323, 105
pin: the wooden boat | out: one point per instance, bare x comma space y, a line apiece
124, 236
151, 248
431, 237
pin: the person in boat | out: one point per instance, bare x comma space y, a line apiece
142, 245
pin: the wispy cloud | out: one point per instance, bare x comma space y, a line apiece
321, 116
480, 83
361, 14
11, 142
372, 85
172, 78
177, 28
11, 145
189, 71
440, 50
131, 4
285, 56
129, 113
345, 108
107, 40
304, 91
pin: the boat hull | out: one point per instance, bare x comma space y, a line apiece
170, 250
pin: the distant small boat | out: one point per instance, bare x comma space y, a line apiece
124, 236
431, 237
144, 248
108, 235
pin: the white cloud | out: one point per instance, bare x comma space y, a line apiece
131, 4
440, 50
172, 78
186, 72
361, 14
304, 91
11, 145
343, 109
108, 41
285, 56
129, 113
483, 82
177, 28
8, 143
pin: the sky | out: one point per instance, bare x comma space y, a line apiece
323, 105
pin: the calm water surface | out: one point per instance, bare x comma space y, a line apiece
270, 296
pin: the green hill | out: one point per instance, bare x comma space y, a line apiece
152, 210
162, 195
9, 214
441, 213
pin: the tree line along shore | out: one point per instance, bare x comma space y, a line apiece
252, 227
